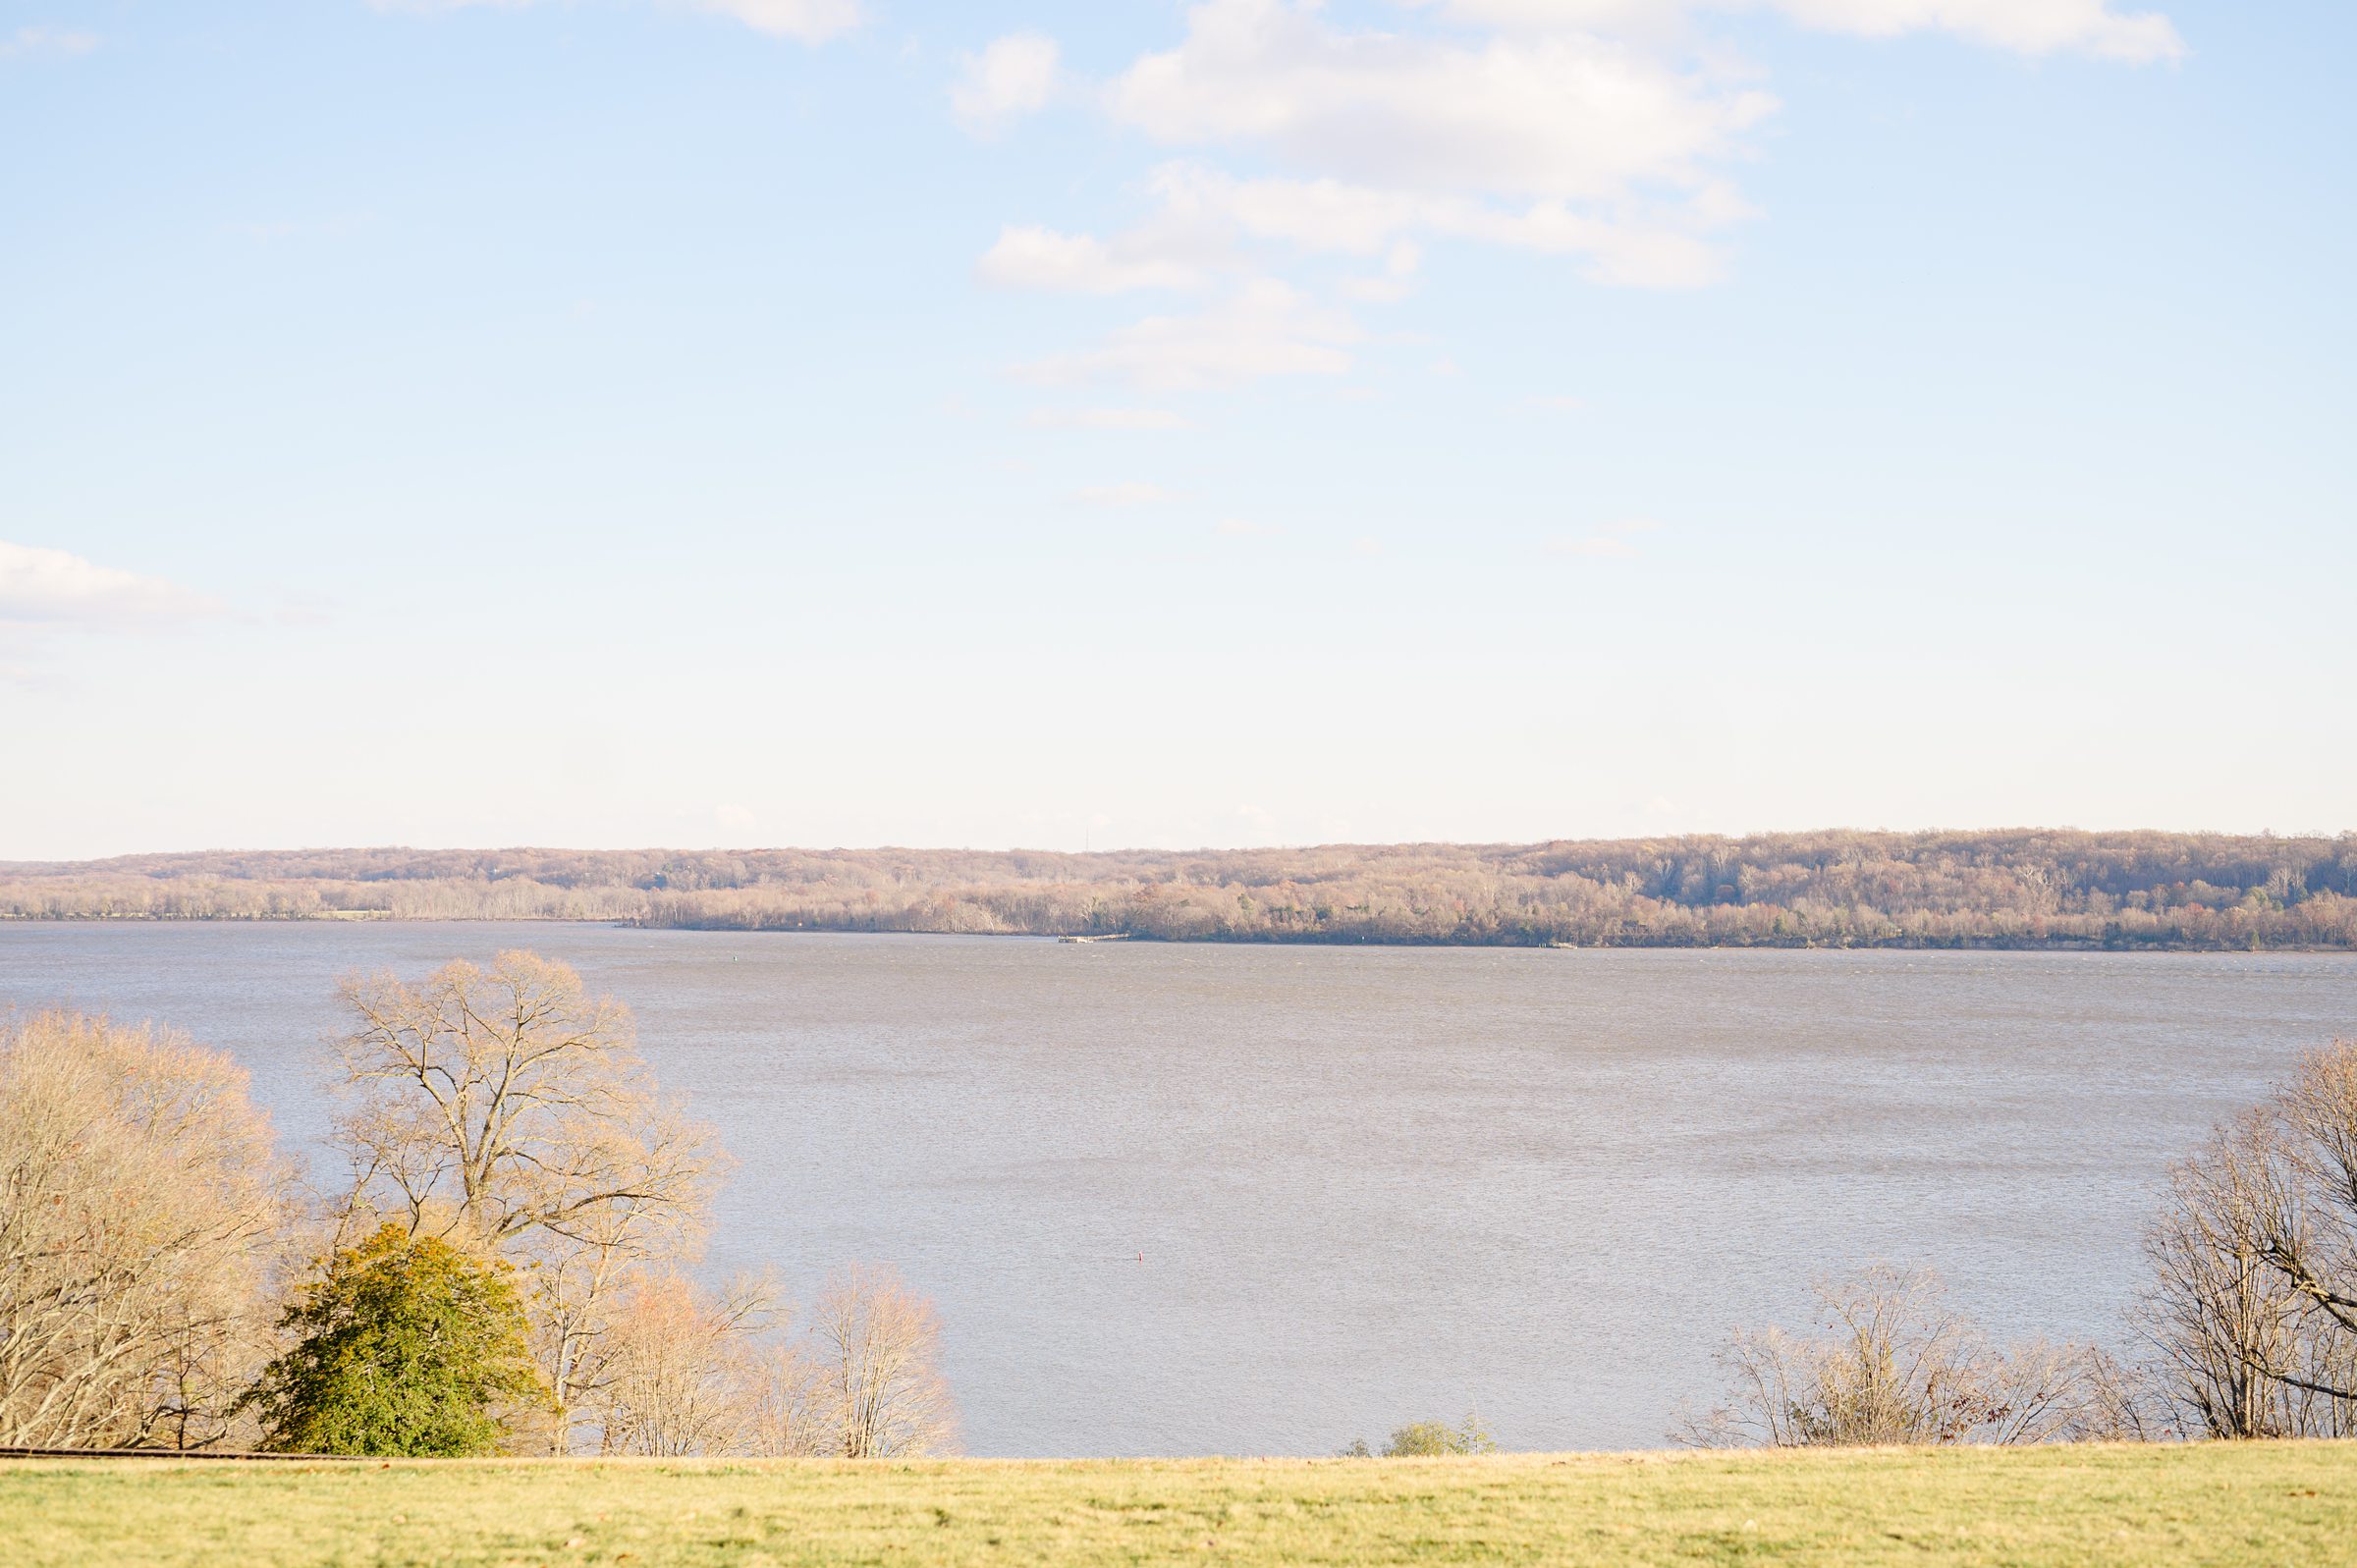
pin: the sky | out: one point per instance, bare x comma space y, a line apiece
1106, 423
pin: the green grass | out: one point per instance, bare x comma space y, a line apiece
2286, 1503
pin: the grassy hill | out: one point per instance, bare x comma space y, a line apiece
2273, 1503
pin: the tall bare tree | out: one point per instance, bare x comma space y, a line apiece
2254, 1296
877, 1344
140, 1199
508, 1107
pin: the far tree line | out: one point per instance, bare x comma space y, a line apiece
497, 1262
2015, 888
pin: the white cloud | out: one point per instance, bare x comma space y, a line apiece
1124, 494
1078, 263
809, 20
1576, 146
45, 40
2027, 27
1242, 528
1014, 75
1319, 215
1108, 419
1664, 245
1597, 131
52, 585
1267, 329
1615, 541
2031, 27
1569, 116
804, 20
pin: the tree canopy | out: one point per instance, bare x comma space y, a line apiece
405, 1347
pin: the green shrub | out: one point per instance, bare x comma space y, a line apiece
1425, 1440
406, 1346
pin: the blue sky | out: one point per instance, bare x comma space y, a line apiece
861, 421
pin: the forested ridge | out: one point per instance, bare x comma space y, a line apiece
2027, 888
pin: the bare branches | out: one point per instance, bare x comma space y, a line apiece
508, 1106
878, 1341
140, 1201
501, 1107
2254, 1296
1892, 1363
680, 1372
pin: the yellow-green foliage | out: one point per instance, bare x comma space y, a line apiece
406, 1345
2250, 1503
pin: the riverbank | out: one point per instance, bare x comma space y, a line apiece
2021, 889
2216, 1504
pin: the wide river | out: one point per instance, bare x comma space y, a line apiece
1266, 1199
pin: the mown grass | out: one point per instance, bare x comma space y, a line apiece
2286, 1503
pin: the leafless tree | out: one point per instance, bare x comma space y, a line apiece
681, 1372
796, 1414
508, 1106
2254, 1295
877, 1342
1891, 1362
141, 1200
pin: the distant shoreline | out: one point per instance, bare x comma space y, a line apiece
2016, 890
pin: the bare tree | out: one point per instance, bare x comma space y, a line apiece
1891, 1362
2254, 1296
794, 1413
508, 1106
681, 1372
876, 1342
139, 1202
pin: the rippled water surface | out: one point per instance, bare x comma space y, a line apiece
1369, 1185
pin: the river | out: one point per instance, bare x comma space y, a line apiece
1175, 1200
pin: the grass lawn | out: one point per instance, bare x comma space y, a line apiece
2289, 1504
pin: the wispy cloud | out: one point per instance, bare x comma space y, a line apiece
2093, 27
1124, 494
1014, 75
1078, 263
27, 41
1267, 329
809, 20
55, 586
1608, 133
